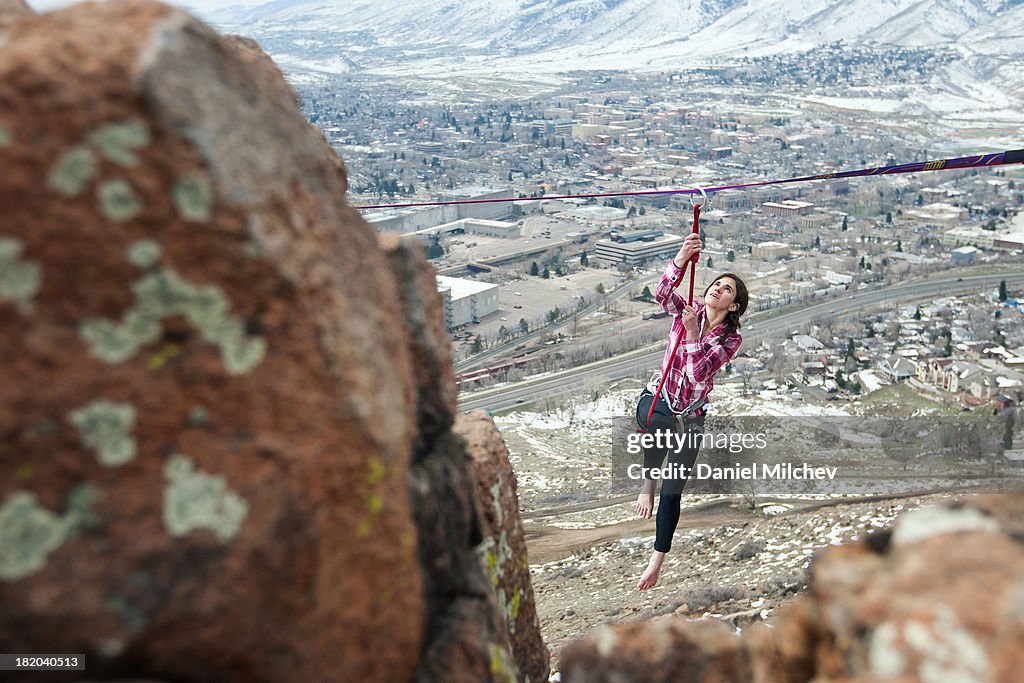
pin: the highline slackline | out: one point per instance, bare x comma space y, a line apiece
976, 161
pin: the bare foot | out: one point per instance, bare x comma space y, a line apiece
650, 575
645, 501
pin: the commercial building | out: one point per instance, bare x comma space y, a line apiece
466, 301
637, 247
964, 256
409, 220
938, 213
471, 226
814, 221
787, 207
770, 250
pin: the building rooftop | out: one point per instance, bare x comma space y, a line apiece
461, 287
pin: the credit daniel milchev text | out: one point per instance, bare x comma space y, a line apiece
636, 442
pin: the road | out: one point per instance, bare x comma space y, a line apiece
648, 360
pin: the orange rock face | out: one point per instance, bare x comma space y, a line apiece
503, 549
207, 413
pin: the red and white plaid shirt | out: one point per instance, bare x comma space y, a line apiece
691, 373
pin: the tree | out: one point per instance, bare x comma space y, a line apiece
709, 263
850, 349
478, 346
646, 294
546, 274
600, 288
632, 212
644, 211
435, 250
553, 315
817, 241
1002, 290
534, 269
917, 313
730, 256
524, 326
888, 217
899, 245
846, 224
862, 263
584, 261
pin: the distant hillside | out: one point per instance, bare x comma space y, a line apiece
479, 37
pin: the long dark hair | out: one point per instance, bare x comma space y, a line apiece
732, 318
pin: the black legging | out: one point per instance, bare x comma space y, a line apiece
663, 420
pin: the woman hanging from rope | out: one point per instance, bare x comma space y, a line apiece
704, 337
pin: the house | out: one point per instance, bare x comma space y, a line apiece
1003, 402
807, 343
898, 368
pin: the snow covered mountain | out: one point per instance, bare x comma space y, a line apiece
538, 37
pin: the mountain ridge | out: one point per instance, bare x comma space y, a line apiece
480, 38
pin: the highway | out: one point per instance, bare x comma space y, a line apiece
647, 361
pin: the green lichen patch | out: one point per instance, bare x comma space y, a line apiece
106, 427
115, 343
28, 534
145, 253
193, 195
513, 609
119, 142
6, 137
118, 201
241, 354
79, 507
197, 500
502, 667
19, 280
376, 470
75, 169
165, 293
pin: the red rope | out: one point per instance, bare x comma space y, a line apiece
682, 271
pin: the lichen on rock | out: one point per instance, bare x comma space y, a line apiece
144, 253
20, 280
107, 427
73, 171
193, 197
28, 534
164, 293
119, 142
118, 201
195, 499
